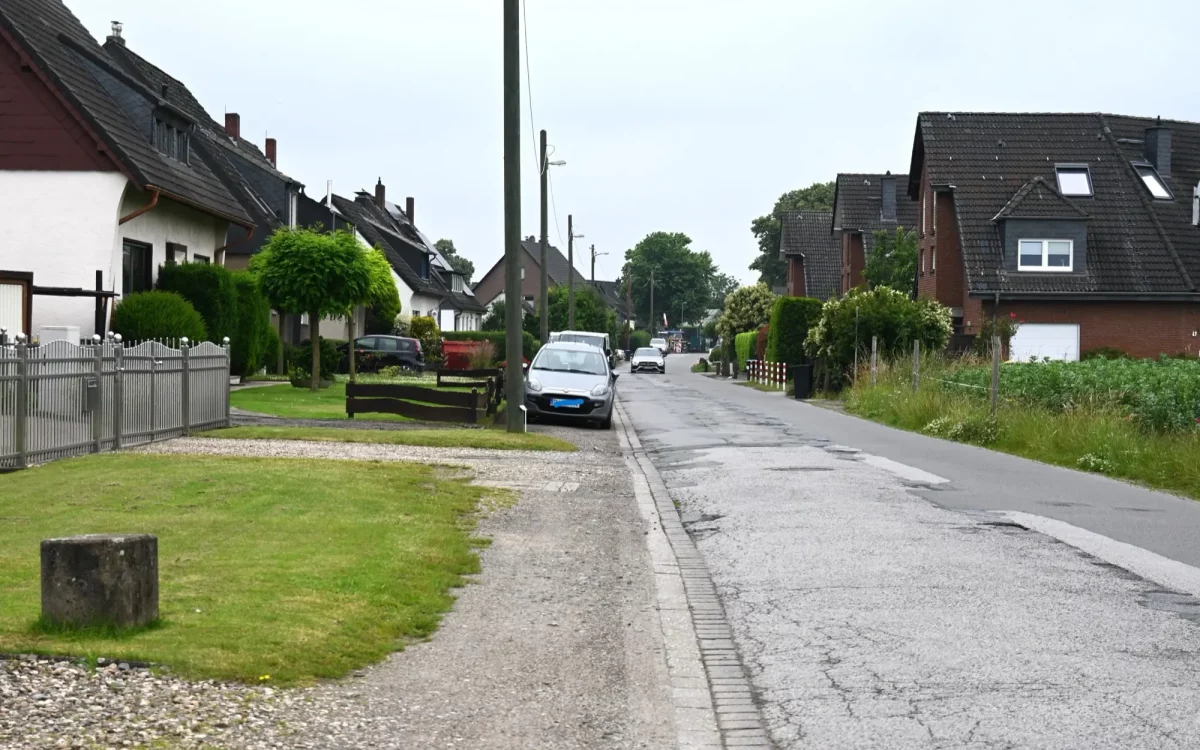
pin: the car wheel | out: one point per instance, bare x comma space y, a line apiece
606, 424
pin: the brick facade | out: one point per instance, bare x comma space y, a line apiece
1141, 329
492, 284
795, 276
37, 132
853, 260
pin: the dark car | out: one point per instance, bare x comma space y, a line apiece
373, 352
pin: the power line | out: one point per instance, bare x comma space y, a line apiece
529, 88
554, 207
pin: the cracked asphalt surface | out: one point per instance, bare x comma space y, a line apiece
869, 616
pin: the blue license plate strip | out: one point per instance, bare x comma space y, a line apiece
567, 403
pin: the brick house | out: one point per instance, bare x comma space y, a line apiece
1083, 226
102, 171
491, 284
813, 254
862, 205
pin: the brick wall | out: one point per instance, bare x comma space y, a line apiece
492, 284
944, 277
853, 260
36, 131
795, 277
1142, 329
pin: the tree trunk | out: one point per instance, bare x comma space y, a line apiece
352, 333
314, 335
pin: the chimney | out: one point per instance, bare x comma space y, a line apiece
271, 151
115, 37
1158, 147
409, 206
888, 185
233, 125
380, 194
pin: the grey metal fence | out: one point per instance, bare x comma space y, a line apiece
63, 399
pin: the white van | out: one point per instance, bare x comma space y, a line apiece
598, 340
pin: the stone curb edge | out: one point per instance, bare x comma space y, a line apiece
713, 699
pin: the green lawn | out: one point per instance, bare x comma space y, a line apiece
295, 569
462, 438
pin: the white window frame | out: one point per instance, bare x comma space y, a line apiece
1087, 174
1044, 268
456, 283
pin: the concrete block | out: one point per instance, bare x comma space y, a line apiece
109, 579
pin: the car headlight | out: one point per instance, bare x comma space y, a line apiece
533, 384
600, 390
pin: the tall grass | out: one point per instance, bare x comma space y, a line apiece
1090, 433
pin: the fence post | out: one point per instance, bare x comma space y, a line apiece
22, 422
118, 394
995, 373
228, 367
916, 364
98, 406
185, 386
153, 398
874, 357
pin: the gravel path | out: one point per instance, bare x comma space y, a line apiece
555, 645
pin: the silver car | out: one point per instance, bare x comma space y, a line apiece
648, 359
571, 380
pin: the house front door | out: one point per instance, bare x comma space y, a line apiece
15, 302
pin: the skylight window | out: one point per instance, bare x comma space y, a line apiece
1152, 181
1074, 181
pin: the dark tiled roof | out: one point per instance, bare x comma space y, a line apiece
1038, 199
810, 233
556, 262
112, 103
613, 295
1135, 245
378, 229
858, 206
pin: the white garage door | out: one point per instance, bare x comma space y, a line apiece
1038, 340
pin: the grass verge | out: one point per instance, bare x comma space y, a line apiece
759, 386
460, 438
299, 570
1088, 438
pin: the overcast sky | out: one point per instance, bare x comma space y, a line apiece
675, 115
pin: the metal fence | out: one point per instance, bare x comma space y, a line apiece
62, 399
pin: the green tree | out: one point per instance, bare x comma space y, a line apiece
591, 313
745, 310
457, 262
683, 278
772, 270
893, 261
301, 270
494, 320
722, 286
383, 303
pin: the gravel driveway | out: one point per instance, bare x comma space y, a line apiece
555, 645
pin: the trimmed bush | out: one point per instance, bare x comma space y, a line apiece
211, 290
1105, 352
157, 315
714, 355
269, 346
743, 345
425, 329
300, 357
247, 344
529, 345
790, 320
639, 339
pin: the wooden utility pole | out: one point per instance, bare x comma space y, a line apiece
652, 302
570, 272
594, 256
628, 310
514, 381
544, 284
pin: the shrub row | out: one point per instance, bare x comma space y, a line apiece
529, 345
791, 319
743, 345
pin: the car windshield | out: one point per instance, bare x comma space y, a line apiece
570, 360
647, 352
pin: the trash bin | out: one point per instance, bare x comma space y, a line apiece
802, 377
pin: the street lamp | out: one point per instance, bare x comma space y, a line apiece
544, 279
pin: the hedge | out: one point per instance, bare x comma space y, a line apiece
251, 337
300, 357
639, 340
743, 345
211, 290
499, 339
790, 320
157, 315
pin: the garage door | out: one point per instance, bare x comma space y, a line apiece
1038, 340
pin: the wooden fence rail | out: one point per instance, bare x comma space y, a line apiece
415, 402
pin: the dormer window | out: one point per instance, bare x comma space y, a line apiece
457, 283
170, 137
1153, 182
1046, 255
1074, 180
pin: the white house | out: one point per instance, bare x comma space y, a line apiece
99, 174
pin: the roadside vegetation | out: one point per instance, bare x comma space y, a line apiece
453, 438
1129, 419
296, 570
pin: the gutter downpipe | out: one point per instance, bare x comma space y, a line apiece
154, 193
219, 253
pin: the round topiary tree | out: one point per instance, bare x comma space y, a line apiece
301, 270
157, 315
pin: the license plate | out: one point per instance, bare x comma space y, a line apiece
566, 403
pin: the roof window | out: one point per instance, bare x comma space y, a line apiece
1153, 182
1074, 180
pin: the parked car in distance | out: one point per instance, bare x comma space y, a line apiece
374, 352
661, 345
598, 340
571, 380
648, 359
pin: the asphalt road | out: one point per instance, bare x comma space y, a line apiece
875, 604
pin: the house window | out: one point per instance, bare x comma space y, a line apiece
933, 260
1074, 180
171, 139
522, 273
1045, 255
137, 267
457, 283
176, 253
922, 261
201, 259
425, 269
1153, 182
